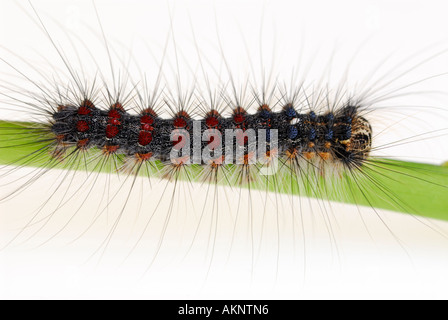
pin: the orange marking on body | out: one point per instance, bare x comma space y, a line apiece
141, 157
264, 107
248, 157
82, 144
110, 149
309, 155
325, 155
291, 153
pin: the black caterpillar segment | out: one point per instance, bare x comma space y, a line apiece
342, 136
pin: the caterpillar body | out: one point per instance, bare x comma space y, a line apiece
345, 137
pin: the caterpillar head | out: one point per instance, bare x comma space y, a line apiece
361, 140
356, 145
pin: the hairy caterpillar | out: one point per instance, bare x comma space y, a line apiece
246, 230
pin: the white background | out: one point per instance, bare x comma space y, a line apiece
363, 265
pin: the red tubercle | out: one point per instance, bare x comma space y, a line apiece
111, 131
114, 114
86, 107
179, 123
239, 118
212, 119
180, 119
211, 122
84, 111
114, 122
146, 123
146, 119
144, 138
82, 126
239, 115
